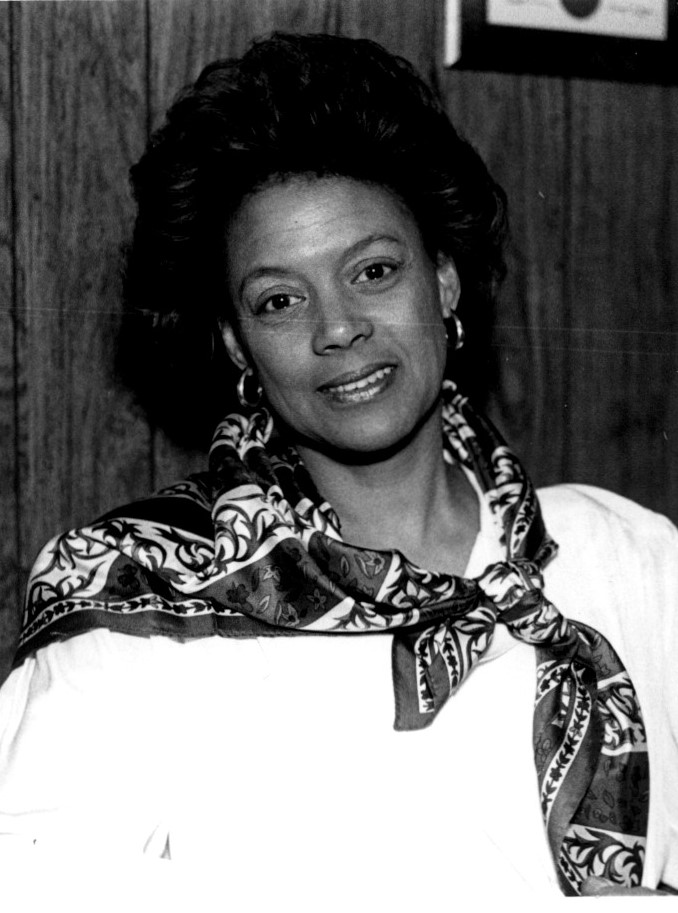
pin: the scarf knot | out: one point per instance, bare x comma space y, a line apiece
515, 589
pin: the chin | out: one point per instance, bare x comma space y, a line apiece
374, 439
364, 434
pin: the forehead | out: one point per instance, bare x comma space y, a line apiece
311, 216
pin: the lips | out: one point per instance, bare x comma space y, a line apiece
355, 377
359, 386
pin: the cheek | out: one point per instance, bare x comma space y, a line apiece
430, 352
426, 330
279, 365
434, 358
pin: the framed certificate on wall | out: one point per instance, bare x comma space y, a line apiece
606, 39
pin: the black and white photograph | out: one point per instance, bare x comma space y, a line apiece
338, 455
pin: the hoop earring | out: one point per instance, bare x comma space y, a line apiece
242, 396
459, 330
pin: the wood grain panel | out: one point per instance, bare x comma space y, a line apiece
622, 269
518, 125
80, 115
411, 28
186, 36
9, 543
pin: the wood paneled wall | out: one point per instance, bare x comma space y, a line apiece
586, 333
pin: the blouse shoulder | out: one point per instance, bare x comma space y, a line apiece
616, 567
596, 514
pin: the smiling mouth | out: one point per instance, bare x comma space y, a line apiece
361, 390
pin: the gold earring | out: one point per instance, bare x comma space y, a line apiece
460, 333
242, 396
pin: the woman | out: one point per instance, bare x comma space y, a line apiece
310, 210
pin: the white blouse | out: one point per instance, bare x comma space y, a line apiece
272, 768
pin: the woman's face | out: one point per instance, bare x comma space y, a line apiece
339, 311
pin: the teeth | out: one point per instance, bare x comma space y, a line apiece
364, 382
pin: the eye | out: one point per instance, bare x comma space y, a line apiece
375, 272
274, 304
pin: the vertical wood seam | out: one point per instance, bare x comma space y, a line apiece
666, 221
567, 246
437, 64
148, 120
14, 305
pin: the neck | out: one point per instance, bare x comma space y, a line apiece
410, 500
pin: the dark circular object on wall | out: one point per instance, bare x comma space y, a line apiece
581, 8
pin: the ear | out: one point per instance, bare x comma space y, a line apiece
448, 285
233, 346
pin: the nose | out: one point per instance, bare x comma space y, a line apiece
340, 323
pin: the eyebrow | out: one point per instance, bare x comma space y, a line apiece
261, 272
371, 239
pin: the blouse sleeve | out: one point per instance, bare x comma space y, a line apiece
661, 657
621, 570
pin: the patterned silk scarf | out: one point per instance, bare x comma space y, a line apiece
250, 549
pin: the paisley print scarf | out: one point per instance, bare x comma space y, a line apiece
249, 549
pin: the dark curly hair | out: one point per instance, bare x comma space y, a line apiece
293, 104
